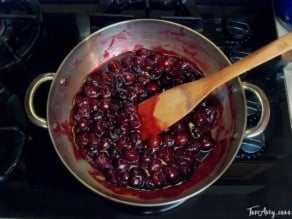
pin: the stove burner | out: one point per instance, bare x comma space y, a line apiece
238, 30
12, 125
20, 26
183, 12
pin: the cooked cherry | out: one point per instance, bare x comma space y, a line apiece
167, 140
123, 143
123, 178
127, 61
166, 62
134, 122
137, 61
155, 165
207, 142
171, 174
93, 139
114, 66
181, 138
91, 91
146, 158
143, 79
82, 139
199, 117
152, 87
185, 170
114, 152
157, 72
137, 177
143, 53
104, 143
82, 125
182, 156
135, 139
158, 179
165, 154
102, 161
111, 175
120, 163
99, 128
94, 104
131, 154
84, 111
154, 142
129, 78
81, 99
106, 78
179, 127
105, 104
193, 146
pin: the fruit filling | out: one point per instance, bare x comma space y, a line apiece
106, 125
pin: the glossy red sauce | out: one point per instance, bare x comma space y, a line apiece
150, 125
65, 128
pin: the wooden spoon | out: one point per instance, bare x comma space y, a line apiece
163, 110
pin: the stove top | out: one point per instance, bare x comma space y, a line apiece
41, 186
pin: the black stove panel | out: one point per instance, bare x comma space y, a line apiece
44, 187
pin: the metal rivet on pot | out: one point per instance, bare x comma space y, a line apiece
63, 81
235, 135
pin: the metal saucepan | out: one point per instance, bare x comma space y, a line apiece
118, 38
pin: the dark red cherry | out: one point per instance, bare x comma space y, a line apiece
127, 61
181, 138
199, 117
111, 175
128, 77
171, 174
165, 154
158, 179
137, 177
207, 142
131, 154
155, 165
120, 163
154, 142
152, 87
123, 178
114, 66
193, 146
104, 143
102, 161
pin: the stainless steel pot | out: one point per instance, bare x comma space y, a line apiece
113, 40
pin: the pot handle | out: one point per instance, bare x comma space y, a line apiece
29, 99
265, 107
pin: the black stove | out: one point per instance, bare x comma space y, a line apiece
40, 185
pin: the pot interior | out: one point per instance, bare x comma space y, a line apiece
119, 38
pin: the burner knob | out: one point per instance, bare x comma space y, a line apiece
251, 147
235, 55
238, 30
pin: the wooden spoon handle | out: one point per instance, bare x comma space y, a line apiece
255, 59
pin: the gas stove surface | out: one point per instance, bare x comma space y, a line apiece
41, 186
